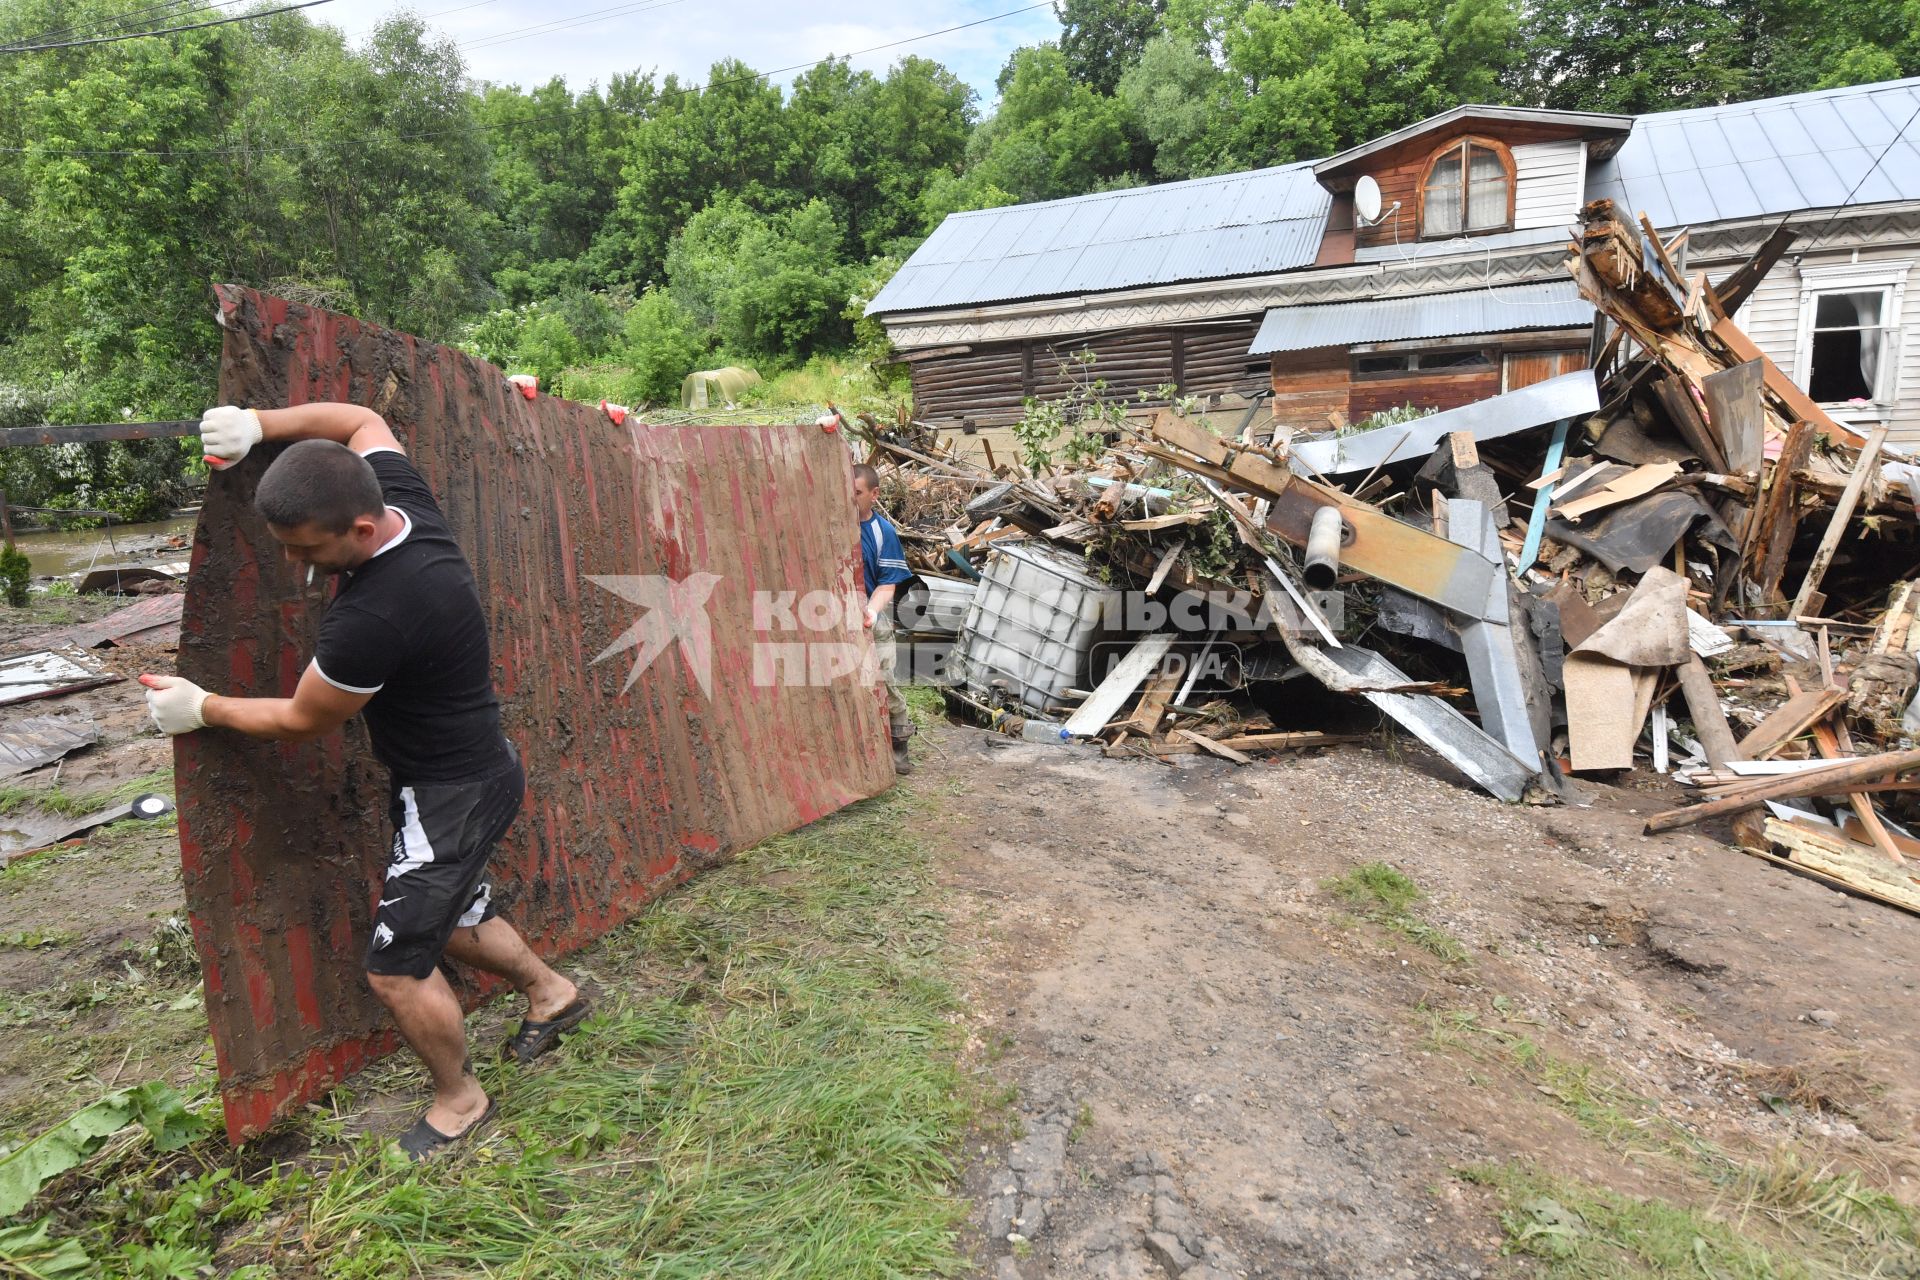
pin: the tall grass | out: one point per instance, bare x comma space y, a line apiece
778, 1098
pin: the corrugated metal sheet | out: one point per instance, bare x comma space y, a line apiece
1235, 225
1556, 304
1760, 159
631, 788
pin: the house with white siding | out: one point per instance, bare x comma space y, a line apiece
1427, 267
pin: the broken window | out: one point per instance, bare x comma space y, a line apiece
1468, 189
1391, 364
1848, 345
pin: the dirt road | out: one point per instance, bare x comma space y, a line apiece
1224, 1069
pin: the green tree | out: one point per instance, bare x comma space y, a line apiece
1633, 55
1187, 107
1052, 136
1100, 39
662, 346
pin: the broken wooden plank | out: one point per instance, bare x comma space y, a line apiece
1152, 707
1733, 291
1737, 413
1828, 744
1674, 396
1863, 471
1131, 672
1770, 534
1636, 483
1789, 720
1212, 747
1827, 781
1165, 566
1783, 387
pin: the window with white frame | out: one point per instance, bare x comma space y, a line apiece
1849, 341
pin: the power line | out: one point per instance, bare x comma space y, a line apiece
164, 31
1885, 151
95, 26
195, 153
561, 24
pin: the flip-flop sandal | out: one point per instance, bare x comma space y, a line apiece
423, 1141
535, 1038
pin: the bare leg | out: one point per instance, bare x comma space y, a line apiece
497, 947
428, 1015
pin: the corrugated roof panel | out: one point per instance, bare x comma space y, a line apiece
1132, 224
1555, 304
1054, 271
954, 240
1671, 154
1733, 194
1006, 234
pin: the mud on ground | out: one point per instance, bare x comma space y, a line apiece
1222, 1069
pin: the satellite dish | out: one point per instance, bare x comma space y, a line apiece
1366, 200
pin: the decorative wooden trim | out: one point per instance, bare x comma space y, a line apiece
1494, 145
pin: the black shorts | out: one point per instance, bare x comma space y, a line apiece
443, 835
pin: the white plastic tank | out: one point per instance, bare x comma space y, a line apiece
1032, 623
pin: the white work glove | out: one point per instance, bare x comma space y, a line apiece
227, 433
175, 703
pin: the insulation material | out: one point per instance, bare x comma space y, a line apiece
580, 532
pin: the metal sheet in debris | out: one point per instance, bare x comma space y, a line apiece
637, 778
37, 740
1571, 395
134, 620
45, 675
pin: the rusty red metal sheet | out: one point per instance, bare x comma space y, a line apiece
630, 790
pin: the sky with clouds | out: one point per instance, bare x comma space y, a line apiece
528, 42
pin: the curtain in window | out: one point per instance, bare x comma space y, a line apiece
1486, 190
1855, 311
1442, 212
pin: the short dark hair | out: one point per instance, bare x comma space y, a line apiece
861, 471
321, 482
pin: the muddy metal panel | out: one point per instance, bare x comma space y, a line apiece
630, 790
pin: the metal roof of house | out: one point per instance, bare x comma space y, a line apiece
1555, 304
1757, 159
1709, 164
1593, 122
1233, 225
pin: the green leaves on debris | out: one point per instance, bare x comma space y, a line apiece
153, 1106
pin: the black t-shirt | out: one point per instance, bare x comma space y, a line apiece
407, 627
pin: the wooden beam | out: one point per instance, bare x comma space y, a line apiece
95, 432
1731, 292
1838, 778
1213, 748
1789, 720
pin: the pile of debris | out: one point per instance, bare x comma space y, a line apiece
1569, 578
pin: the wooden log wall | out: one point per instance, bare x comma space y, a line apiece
989, 382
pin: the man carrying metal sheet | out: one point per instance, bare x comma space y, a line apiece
405, 640
883, 569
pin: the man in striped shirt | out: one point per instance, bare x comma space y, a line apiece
883, 569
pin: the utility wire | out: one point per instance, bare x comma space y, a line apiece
561, 24
95, 26
164, 31
1899, 135
195, 153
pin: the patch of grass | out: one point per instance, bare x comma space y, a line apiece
1385, 895
68, 804
29, 939
1821, 1227
795, 1112
1778, 1217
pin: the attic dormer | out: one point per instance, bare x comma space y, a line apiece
1469, 173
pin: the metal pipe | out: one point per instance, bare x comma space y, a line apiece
1324, 537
